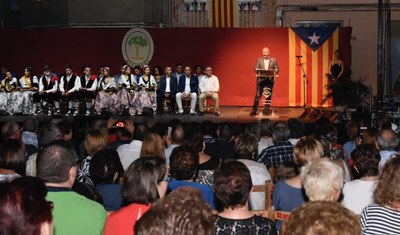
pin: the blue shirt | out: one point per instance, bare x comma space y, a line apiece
111, 194
386, 155
349, 147
286, 198
206, 190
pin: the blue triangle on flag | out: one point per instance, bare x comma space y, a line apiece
314, 36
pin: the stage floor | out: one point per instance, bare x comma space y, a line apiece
228, 114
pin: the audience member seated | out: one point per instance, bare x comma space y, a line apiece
265, 135
209, 88
297, 130
11, 130
207, 164
105, 168
142, 185
66, 130
12, 160
322, 217
176, 138
153, 146
384, 216
370, 136
357, 194
289, 194
181, 212
246, 151
232, 187
29, 135
224, 147
208, 129
24, 209
281, 151
184, 163
130, 152
123, 136
328, 132
387, 143
353, 132
72, 213
95, 141
322, 180
286, 170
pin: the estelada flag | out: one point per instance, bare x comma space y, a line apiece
222, 13
315, 45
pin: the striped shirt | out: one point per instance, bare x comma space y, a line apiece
376, 219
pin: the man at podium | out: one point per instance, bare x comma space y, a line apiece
266, 69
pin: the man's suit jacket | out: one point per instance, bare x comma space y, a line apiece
173, 85
194, 83
273, 64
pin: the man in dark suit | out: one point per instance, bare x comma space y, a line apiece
168, 89
266, 62
188, 87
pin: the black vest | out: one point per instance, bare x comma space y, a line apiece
89, 84
69, 85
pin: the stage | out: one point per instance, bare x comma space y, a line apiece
228, 114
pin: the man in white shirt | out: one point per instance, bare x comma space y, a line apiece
188, 87
167, 90
209, 88
48, 90
69, 84
87, 88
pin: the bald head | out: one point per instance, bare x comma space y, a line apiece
387, 139
265, 53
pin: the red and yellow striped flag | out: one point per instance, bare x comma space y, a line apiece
316, 65
222, 14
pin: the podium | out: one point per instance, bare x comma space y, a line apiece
266, 74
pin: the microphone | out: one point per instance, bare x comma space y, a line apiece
299, 56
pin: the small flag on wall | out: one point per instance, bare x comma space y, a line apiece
223, 13
315, 46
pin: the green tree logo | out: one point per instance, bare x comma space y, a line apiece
138, 41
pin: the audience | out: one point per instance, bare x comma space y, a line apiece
182, 212
386, 143
153, 146
384, 216
245, 151
142, 185
223, 148
297, 130
184, 164
12, 160
176, 138
29, 135
357, 194
24, 209
232, 187
72, 213
322, 217
105, 170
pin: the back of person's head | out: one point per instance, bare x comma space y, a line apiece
286, 170
184, 211
207, 127
352, 129
184, 162
296, 127
385, 121
280, 131
54, 163
253, 128
307, 149
387, 139
13, 156
95, 140
104, 166
232, 184
122, 133
141, 180
47, 134
192, 128
23, 207
153, 146
140, 132
31, 125
177, 134
55, 119
322, 180
226, 131
366, 160
246, 146
9, 130
369, 136
65, 128
195, 141
265, 127
100, 124
387, 190
329, 132
322, 217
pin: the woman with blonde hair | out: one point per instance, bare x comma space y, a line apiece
95, 141
153, 146
384, 216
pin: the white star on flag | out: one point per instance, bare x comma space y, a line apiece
314, 39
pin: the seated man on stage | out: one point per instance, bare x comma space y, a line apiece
266, 62
87, 88
69, 85
168, 89
188, 86
48, 91
209, 87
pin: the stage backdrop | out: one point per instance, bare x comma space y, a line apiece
232, 53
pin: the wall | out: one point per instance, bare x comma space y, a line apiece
231, 52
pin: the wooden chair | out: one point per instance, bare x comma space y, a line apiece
266, 188
271, 214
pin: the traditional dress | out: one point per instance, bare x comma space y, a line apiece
146, 96
106, 98
126, 85
9, 95
29, 87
